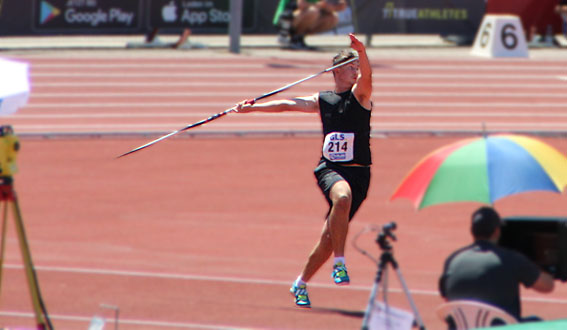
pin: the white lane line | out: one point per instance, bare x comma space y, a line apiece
376, 83
44, 115
377, 105
429, 125
177, 74
155, 83
468, 94
278, 75
239, 94
251, 83
161, 324
479, 114
277, 127
262, 126
477, 67
177, 66
249, 65
228, 279
130, 105
171, 126
188, 115
479, 105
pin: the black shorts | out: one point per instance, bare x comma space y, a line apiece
358, 178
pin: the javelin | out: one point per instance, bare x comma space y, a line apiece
251, 101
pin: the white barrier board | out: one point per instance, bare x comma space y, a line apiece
500, 36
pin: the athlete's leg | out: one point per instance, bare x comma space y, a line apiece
341, 198
335, 229
319, 255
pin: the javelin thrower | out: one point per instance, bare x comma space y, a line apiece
343, 172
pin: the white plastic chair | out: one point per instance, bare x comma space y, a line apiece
469, 314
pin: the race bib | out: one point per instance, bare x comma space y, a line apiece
339, 147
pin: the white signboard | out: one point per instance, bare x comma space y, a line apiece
390, 318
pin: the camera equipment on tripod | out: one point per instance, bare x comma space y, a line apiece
542, 240
386, 259
9, 146
385, 233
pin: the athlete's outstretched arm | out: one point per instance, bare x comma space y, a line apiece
302, 104
363, 87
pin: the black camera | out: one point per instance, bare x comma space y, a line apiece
385, 233
542, 239
389, 227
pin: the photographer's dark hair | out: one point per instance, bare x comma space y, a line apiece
484, 222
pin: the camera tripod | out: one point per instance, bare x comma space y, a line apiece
387, 258
8, 198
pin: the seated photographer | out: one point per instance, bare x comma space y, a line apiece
488, 273
298, 18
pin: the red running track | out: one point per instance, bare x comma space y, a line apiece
209, 232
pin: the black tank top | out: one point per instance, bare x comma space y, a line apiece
341, 113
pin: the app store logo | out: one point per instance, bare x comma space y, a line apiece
169, 12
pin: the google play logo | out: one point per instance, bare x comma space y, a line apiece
47, 12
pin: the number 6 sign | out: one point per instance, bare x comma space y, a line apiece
500, 36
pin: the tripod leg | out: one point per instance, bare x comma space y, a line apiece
408, 296
373, 294
3, 241
41, 315
385, 287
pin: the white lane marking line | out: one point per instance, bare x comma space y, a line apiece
292, 126
126, 321
471, 104
157, 105
229, 279
475, 67
278, 75
177, 74
239, 94
156, 115
376, 83
468, 125
248, 65
188, 115
151, 66
470, 114
262, 126
377, 105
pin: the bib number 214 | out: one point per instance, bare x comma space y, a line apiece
338, 146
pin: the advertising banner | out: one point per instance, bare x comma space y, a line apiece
199, 15
86, 15
458, 17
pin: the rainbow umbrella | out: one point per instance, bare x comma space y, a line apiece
484, 170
